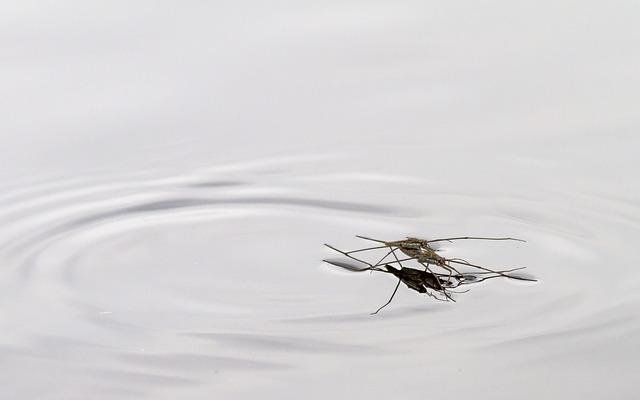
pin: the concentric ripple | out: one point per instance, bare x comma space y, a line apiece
148, 285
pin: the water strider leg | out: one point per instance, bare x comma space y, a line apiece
396, 257
387, 303
473, 238
366, 249
385, 256
371, 266
496, 272
426, 266
371, 239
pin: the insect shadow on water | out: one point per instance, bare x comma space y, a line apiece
427, 281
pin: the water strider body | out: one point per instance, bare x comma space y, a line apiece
420, 250
416, 248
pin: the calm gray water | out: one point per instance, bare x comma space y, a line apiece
171, 171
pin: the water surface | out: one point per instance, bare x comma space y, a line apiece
172, 171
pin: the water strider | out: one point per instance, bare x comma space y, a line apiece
424, 281
421, 251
